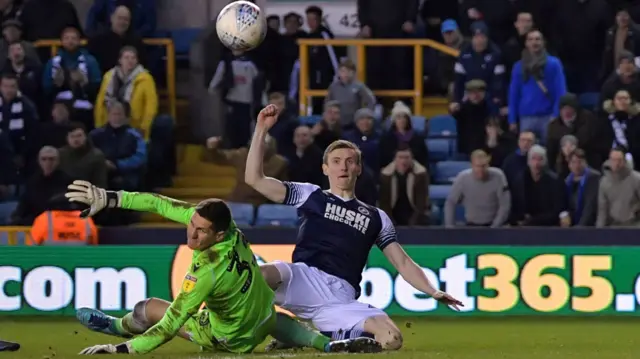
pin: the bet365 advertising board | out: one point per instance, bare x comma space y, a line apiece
489, 280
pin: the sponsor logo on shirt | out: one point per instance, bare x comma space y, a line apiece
359, 221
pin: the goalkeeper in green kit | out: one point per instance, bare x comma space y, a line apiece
239, 313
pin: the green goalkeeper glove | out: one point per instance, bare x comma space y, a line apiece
95, 197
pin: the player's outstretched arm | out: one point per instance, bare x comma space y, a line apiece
254, 176
98, 199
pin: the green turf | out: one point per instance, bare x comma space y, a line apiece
526, 338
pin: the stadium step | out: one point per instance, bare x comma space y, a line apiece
196, 192
434, 106
203, 182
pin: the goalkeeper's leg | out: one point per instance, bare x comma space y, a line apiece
144, 315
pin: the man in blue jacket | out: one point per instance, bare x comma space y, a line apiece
481, 60
537, 83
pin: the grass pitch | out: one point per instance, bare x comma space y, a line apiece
424, 338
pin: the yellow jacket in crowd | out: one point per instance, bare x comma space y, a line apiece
144, 102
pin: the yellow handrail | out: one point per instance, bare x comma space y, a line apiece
171, 63
360, 44
13, 231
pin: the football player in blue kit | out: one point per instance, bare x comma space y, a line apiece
334, 239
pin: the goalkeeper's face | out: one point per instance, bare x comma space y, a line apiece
201, 234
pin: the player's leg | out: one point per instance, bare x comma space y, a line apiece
272, 275
385, 331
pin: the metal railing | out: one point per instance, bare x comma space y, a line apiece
360, 44
13, 233
170, 63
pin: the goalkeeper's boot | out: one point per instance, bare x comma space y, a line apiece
355, 345
99, 322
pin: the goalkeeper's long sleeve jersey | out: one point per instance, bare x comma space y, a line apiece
169, 208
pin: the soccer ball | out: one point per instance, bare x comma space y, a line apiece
241, 26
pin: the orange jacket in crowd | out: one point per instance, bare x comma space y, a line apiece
63, 228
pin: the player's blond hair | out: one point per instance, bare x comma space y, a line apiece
340, 144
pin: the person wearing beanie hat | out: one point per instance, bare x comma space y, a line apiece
624, 78
573, 120
401, 133
366, 138
482, 60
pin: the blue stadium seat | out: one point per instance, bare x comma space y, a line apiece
446, 171
439, 149
438, 194
277, 215
183, 38
242, 213
310, 120
442, 126
589, 100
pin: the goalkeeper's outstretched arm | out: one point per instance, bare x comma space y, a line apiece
173, 209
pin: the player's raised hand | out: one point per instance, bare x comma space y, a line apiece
268, 117
95, 197
447, 299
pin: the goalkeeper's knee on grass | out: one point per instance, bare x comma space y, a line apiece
136, 322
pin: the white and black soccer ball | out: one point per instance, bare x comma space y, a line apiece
241, 26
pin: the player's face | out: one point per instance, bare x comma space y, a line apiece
200, 234
342, 168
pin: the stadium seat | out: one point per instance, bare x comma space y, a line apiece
438, 194
277, 215
439, 149
442, 126
310, 120
446, 171
242, 213
589, 100
183, 38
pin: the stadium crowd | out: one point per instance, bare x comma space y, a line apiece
541, 130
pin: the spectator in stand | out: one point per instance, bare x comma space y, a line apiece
305, 162
289, 42
8, 180
582, 190
107, 45
131, 83
274, 166
237, 78
384, 19
538, 196
516, 163
273, 21
580, 41
351, 93
498, 144
472, 116
20, 122
47, 19
328, 129
621, 128
287, 123
568, 144
516, 44
12, 33
143, 11
623, 36
123, 147
440, 66
366, 138
481, 60
48, 185
498, 15
54, 132
73, 75
401, 134
403, 190
619, 193
323, 60
29, 73
80, 160
537, 83
9, 10
625, 78
576, 121
484, 193
435, 14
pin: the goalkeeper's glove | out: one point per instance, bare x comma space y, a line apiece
123, 348
95, 197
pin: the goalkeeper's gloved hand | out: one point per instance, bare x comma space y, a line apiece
107, 349
95, 197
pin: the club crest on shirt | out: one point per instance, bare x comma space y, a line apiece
189, 283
